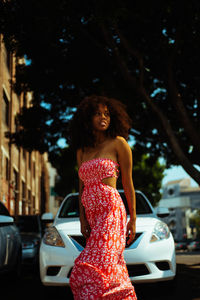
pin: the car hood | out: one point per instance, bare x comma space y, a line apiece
72, 226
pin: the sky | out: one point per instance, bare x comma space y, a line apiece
176, 173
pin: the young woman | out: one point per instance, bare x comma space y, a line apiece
99, 132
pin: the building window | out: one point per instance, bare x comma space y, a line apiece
34, 169
7, 169
8, 57
23, 191
29, 202
16, 124
33, 204
29, 160
5, 109
24, 100
16, 180
29, 196
24, 153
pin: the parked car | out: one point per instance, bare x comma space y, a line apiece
10, 245
150, 258
181, 245
194, 245
31, 231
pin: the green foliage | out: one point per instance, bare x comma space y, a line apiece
147, 177
65, 163
148, 173
195, 221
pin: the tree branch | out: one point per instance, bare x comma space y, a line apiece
182, 158
122, 65
179, 106
134, 53
173, 90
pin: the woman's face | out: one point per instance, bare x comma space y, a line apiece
101, 118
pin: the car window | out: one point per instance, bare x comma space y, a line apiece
3, 210
142, 206
71, 206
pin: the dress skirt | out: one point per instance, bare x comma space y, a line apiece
100, 270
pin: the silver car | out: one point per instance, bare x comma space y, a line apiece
10, 244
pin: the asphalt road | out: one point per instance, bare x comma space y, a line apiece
185, 287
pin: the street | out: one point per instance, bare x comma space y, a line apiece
186, 286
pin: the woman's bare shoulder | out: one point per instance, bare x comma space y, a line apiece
79, 156
121, 142
79, 152
124, 154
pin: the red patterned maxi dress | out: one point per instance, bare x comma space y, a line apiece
100, 271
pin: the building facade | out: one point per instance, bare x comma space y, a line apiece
54, 199
182, 200
24, 178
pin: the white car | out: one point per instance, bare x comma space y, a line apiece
150, 258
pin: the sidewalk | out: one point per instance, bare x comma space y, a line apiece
187, 258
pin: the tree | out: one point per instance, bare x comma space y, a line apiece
195, 222
65, 164
148, 174
143, 53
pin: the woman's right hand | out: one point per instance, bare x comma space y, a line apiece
85, 228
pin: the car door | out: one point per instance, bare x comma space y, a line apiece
3, 245
6, 237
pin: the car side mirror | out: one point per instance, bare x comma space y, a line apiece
6, 220
162, 212
47, 218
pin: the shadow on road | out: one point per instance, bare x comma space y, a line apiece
186, 286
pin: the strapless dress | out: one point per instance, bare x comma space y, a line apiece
100, 270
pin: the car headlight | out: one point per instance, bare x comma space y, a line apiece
160, 232
53, 238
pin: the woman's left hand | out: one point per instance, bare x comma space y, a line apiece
130, 231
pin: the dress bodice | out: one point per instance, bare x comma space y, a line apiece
94, 170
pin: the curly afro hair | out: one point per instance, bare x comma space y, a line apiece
81, 129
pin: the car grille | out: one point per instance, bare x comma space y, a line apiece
79, 239
133, 270
137, 235
163, 265
137, 270
82, 241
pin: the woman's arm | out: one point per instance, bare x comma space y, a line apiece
125, 161
85, 228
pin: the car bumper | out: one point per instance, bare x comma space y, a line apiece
29, 254
152, 263
55, 265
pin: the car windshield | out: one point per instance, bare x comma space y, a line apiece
3, 210
27, 223
71, 207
